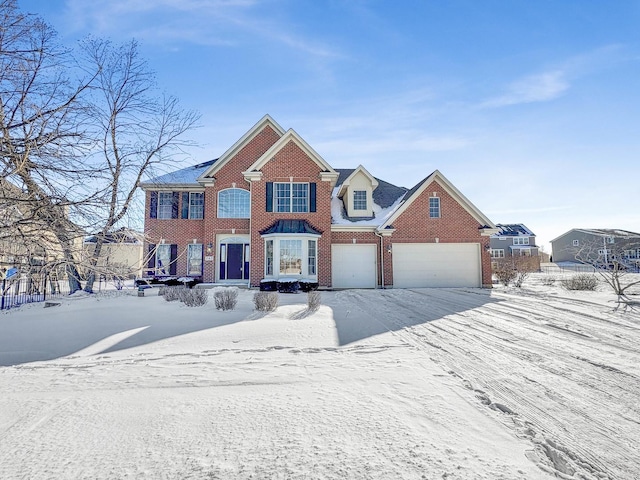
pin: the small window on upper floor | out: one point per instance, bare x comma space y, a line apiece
234, 203
360, 200
576, 243
165, 205
434, 207
610, 240
521, 241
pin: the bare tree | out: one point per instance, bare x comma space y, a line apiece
40, 135
614, 260
136, 129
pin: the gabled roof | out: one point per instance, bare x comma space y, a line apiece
602, 232
185, 177
123, 235
290, 226
291, 136
451, 190
512, 230
384, 195
360, 169
235, 148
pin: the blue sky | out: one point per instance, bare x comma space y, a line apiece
531, 108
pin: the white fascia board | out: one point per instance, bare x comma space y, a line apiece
451, 190
352, 228
235, 148
291, 135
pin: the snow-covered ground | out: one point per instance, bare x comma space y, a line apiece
528, 383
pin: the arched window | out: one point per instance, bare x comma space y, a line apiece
234, 203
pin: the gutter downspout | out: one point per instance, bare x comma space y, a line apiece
381, 258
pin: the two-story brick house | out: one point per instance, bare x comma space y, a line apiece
271, 208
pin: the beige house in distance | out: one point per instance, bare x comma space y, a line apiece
121, 254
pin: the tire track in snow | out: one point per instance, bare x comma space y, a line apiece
463, 342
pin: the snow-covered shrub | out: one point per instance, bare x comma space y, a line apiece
226, 298
171, 294
265, 301
515, 269
503, 270
194, 298
581, 281
313, 300
548, 281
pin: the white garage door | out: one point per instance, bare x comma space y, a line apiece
353, 266
436, 265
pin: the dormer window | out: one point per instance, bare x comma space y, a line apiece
360, 200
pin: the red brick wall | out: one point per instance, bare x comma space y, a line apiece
182, 232
291, 161
455, 225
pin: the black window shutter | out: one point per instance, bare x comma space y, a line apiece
174, 204
269, 196
151, 263
174, 256
185, 205
153, 205
312, 197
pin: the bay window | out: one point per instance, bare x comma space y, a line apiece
295, 256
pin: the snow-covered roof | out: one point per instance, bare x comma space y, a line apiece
183, 177
512, 230
380, 214
602, 232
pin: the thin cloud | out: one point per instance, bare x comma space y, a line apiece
535, 88
197, 22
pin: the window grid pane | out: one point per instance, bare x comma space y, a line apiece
194, 259
311, 262
300, 194
165, 204
434, 207
233, 203
283, 197
163, 259
360, 200
196, 205
269, 258
290, 257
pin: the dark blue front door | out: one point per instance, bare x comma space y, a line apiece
235, 263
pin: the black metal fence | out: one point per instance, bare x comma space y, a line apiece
30, 289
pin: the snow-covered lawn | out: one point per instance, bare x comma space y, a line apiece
529, 383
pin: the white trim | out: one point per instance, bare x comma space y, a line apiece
451, 190
236, 147
292, 136
304, 260
347, 181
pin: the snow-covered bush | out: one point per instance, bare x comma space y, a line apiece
265, 301
581, 281
313, 300
171, 294
194, 298
226, 298
548, 281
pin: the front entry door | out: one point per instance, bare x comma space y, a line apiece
232, 261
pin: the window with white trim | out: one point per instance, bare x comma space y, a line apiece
291, 255
434, 207
497, 252
360, 200
291, 197
163, 258
165, 205
234, 203
196, 205
521, 241
576, 243
610, 240
194, 259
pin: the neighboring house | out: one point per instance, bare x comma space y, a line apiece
597, 246
25, 242
271, 208
121, 255
513, 240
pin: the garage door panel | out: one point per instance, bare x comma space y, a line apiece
436, 265
353, 266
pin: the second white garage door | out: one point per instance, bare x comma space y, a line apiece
353, 266
436, 265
